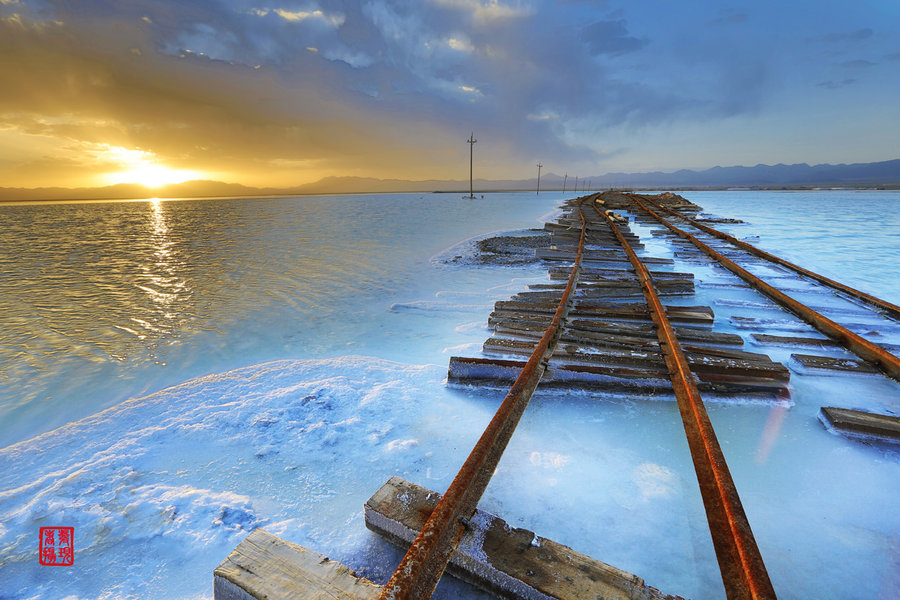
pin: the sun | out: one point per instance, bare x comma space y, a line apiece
154, 176
141, 167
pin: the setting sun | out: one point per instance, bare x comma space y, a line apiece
138, 166
153, 176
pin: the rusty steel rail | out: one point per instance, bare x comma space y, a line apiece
421, 568
855, 343
740, 562
891, 309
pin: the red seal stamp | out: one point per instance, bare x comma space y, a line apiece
57, 546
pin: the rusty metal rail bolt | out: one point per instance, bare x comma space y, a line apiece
740, 562
421, 568
891, 309
853, 342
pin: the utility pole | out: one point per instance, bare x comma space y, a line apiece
539, 165
471, 141
565, 179
576, 184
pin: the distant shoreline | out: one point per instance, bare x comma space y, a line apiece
290, 193
691, 188
884, 175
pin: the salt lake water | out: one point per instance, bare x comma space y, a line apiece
178, 372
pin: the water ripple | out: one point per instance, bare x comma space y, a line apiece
104, 301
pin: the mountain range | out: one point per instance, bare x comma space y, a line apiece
877, 174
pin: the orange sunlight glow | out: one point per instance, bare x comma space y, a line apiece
140, 167
153, 176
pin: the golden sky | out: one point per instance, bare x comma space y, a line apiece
101, 92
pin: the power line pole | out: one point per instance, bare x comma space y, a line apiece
565, 179
576, 184
471, 141
539, 165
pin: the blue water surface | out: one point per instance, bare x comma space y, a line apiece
104, 301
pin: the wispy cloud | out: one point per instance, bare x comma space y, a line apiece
833, 85
610, 37
302, 15
857, 35
729, 17
486, 11
857, 64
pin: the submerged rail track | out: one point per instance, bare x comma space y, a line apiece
740, 562
423, 565
611, 342
890, 309
862, 347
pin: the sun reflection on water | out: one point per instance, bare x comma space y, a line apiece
162, 279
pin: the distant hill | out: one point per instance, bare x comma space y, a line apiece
188, 189
878, 174
860, 174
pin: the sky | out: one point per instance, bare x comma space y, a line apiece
285, 92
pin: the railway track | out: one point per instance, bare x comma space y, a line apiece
888, 308
876, 355
600, 323
423, 565
740, 562
609, 342
611, 333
